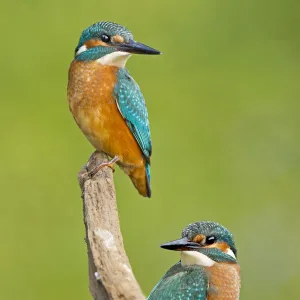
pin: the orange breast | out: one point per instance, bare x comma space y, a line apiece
90, 95
224, 281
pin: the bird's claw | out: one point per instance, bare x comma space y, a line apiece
109, 164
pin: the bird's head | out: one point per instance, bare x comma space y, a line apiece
204, 243
109, 44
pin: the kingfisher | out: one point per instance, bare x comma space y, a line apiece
107, 103
208, 268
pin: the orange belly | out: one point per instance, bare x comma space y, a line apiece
224, 281
90, 95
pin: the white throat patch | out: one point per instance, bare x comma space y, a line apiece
116, 59
195, 258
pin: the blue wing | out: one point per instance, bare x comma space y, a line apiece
189, 282
132, 106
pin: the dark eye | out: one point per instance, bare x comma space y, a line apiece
210, 240
105, 38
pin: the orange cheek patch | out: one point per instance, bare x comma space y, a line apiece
222, 246
198, 238
117, 39
94, 43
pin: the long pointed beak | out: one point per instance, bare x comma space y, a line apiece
180, 245
137, 48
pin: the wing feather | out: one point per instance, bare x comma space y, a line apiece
133, 108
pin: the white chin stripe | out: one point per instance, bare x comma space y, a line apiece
229, 252
81, 49
116, 59
195, 258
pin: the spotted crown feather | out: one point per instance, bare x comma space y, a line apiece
104, 27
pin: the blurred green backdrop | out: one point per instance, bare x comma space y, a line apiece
223, 101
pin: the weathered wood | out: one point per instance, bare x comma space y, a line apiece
110, 274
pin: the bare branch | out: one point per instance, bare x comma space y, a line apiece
110, 274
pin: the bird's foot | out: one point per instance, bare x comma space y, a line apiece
109, 164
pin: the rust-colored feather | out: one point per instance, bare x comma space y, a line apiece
92, 103
224, 281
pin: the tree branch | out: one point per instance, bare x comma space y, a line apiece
110, 274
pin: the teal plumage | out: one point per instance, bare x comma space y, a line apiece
133, 108
107, 103
208, 268
210, 228
95, 31
182, 282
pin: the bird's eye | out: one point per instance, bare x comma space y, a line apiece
210, 240
105, 38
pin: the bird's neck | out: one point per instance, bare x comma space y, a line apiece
116, 59
88, 68
92, 72
189, 258
224, 276
207, 257
102, 55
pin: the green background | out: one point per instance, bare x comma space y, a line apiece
224, 112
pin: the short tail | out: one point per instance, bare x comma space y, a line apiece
141, 180
148, 177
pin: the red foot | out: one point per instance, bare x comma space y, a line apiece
109, 164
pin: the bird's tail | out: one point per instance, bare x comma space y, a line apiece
141, 180
148, 177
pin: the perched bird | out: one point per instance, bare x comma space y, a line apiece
106, 102
208, 268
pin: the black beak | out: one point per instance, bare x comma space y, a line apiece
137, 48
181, 244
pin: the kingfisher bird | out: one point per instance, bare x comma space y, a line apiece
106, 102
208, 268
